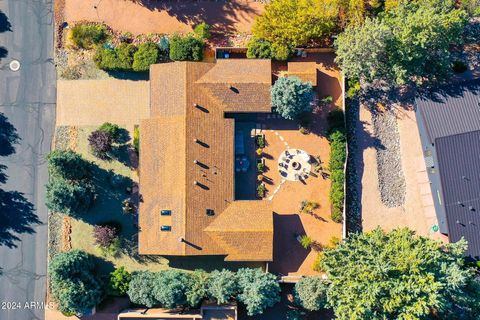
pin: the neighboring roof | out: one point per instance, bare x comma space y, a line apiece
188, 102
453, 109
459, 167
93, 102
306, 71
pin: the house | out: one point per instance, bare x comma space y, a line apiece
187, 162
449, 127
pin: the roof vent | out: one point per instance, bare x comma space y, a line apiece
195, 161
196, 105
459, 203
471, 208
195, 182
458, 221
210, 212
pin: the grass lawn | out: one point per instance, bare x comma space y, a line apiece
111, 179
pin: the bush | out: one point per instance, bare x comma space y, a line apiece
459, 66
69, 198
202, 31
72, 282
292, 97
338, 157
308, 206
171, 287
260, 167
86, 36
119, 281
164, 44
317, 263
260, 141
197, 290
258, 290
259, 48
112, 129
353, 88
68, 165
281, 52
140, 289
104, 235
100, 143
136, 138
186, 48
117, 59
306, 241
147, 54
261, 190
311, 293
222, 286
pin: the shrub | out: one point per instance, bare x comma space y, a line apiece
86, 36
68, 165
140, 289
292, 97
459, 66
164, 44
136, 138
222, 286
117, 59
260, 167
258, 290
308, 206
202, 31
306, 241
354, 88
281, 52
112, 129
171, 287
259, 48
259, 152
317, 263
261, 190
72, 282
311, 293
100, 143
147, 54
186, 48
104, 235
197, 290
260, 141
119, 281
69, 198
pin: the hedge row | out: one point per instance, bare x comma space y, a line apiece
127, 57
338, 155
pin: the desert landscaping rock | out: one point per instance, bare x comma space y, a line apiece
391, 180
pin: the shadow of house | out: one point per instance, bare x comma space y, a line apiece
3, 53
209, 263
288, 254
220, 15
4, 23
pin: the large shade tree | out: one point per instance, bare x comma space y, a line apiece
398, 275
408, 43
171, 287
73, 283
140, 289
222, 285
311, 293
68, 165
292, 97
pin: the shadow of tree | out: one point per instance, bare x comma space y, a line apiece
17, 216
3, 53
8, 136
4, 23
220, 15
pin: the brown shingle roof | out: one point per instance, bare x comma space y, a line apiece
188, 104
306, 71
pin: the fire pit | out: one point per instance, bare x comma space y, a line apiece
294, 165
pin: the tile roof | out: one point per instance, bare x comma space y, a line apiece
305, 71
188, 102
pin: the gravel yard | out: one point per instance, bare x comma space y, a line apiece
391, 181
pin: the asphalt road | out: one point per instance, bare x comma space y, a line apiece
27, 100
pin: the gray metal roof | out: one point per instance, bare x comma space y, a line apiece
459, 167
451, 110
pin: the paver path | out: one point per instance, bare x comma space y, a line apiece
165, 16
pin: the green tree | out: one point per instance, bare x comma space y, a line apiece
258, 290
292, 97
148, 53
295, 22
362, 51
202, 31
222, 285
186, 48
398, 275
171, 288
112, 129
197, 290
72, 282
259, 48
140, 288
86, 36
409, 42
117, 59
70, 198
68, 165
119, 281
311, 293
